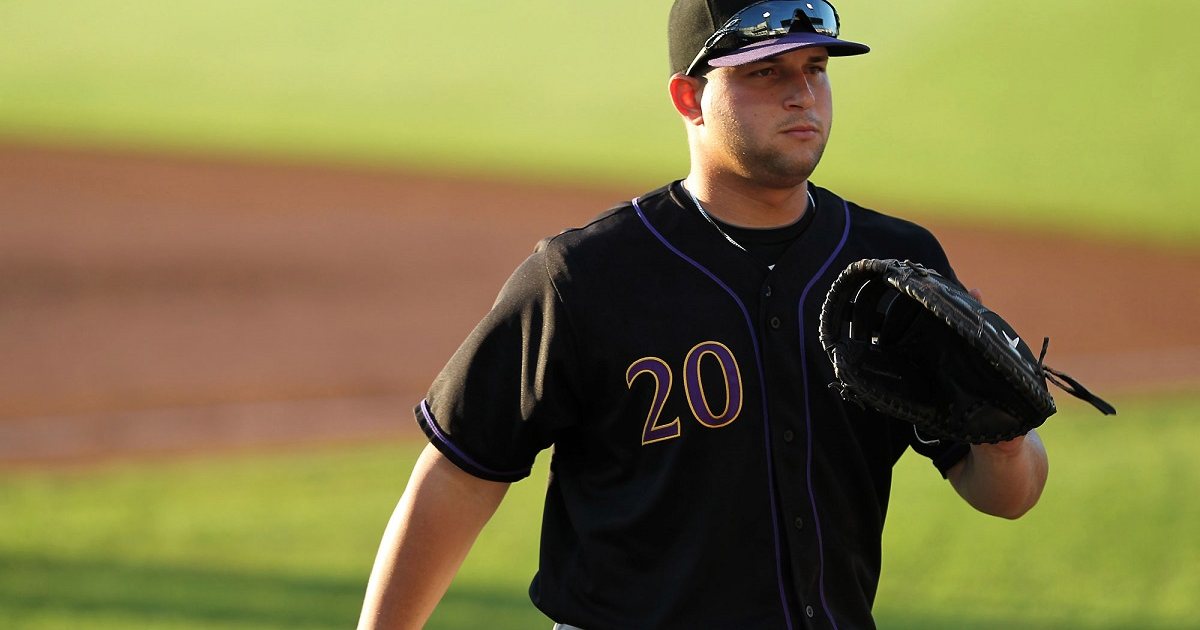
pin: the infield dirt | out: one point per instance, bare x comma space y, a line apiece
153, 305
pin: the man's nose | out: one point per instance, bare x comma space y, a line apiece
801, 93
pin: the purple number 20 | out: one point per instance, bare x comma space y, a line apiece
655, 429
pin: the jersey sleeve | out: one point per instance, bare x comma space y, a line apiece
944, 454
509, 386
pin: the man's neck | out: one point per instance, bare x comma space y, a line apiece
749, 206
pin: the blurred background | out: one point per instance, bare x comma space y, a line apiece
238, 239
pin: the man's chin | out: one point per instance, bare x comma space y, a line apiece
789, 176
793, 169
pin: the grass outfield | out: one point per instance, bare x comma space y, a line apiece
1113, 544
285, 540
1065, 113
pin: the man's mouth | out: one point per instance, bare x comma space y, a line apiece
804, 130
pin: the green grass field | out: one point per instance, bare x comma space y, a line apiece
285, 540
1068, 114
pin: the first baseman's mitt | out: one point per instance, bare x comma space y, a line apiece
908, 342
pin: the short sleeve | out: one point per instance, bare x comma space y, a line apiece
509, 386
943, 453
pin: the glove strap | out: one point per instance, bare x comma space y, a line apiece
1072, 386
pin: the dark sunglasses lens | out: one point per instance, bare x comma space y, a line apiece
772, 19
824, 19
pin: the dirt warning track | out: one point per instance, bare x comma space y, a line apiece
157, 305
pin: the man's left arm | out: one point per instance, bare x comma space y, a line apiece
1004, 479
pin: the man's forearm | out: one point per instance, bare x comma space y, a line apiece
1003, 479
428, 537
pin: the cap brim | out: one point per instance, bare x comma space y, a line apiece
792, 41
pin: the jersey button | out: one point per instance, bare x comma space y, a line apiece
808, 611
775, 323
800, 525
767, 291
788, 436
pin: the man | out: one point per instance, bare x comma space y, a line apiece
703, 474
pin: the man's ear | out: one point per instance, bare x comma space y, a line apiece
686, 92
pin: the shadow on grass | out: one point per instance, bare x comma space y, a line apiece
86, 593
931, 619
478, 607
992, 624
89, 593
105, 592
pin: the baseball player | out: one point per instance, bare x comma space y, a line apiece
704, 475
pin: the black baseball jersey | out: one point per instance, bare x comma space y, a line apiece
704, 474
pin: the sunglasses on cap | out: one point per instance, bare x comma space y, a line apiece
769, 20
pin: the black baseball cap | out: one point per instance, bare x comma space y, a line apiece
703, 33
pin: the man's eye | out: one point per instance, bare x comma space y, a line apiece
763, 72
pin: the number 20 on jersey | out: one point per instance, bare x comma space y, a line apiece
696, 390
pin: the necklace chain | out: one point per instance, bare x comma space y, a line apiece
812, 203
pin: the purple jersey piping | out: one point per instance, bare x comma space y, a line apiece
766, 423
437, 432
812, 497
